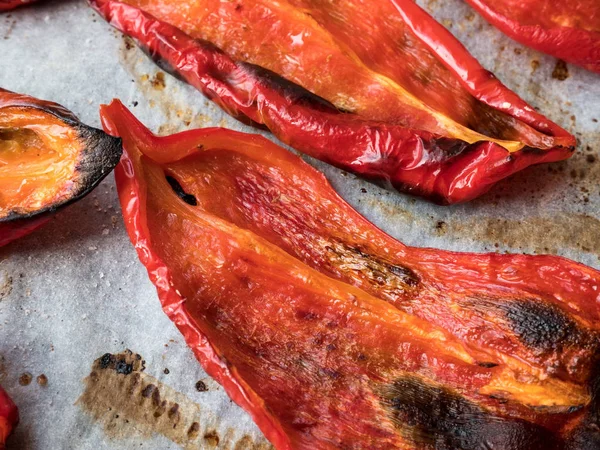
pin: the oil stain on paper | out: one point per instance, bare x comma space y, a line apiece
128, 402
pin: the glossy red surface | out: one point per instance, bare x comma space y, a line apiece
331, 333
569, 30
14, 230
9, 416
437, 164
6, 5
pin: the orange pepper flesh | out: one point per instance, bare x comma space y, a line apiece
38, 159
48, 159
332, 334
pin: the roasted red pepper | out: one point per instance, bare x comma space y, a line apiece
6, 5
569, 30
381, 90
9, 417
334, 335
47, 160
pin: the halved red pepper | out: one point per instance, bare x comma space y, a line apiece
9, 417
569, 30
48, 159
381, 89
334, 335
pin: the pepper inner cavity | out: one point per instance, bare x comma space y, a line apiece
32, 173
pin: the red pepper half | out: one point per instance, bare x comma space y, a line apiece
48, 159
334, 335
379, 89
9, 417
569, 30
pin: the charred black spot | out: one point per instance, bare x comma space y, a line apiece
123, 367
294, 93
105, 360
435, 417
451, 147
188, 198
102, 154
201, 386
487, 365
407, 275
542, 326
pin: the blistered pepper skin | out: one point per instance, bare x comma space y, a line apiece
568, 30
330, 333
50, 160
444, 169
9, 417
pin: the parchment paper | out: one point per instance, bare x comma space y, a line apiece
75, 289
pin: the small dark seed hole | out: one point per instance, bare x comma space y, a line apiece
188, 198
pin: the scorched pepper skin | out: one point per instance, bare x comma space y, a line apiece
415, 148
330, 333
48, 159
568, 30
9, 417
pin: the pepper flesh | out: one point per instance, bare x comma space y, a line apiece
439, 126
9, 417
47, 160
334, 335
6, 5
567, 30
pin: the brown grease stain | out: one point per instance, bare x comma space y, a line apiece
561, 71
535, 65
158, 81
25, 379
6, 286
179, 116
10, 28
538, 234
128, 402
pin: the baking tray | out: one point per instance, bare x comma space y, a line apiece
75, 290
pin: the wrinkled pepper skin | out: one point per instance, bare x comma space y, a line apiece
6, 5
568, 30
439, 126
330, 333
48, 159
9, 417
